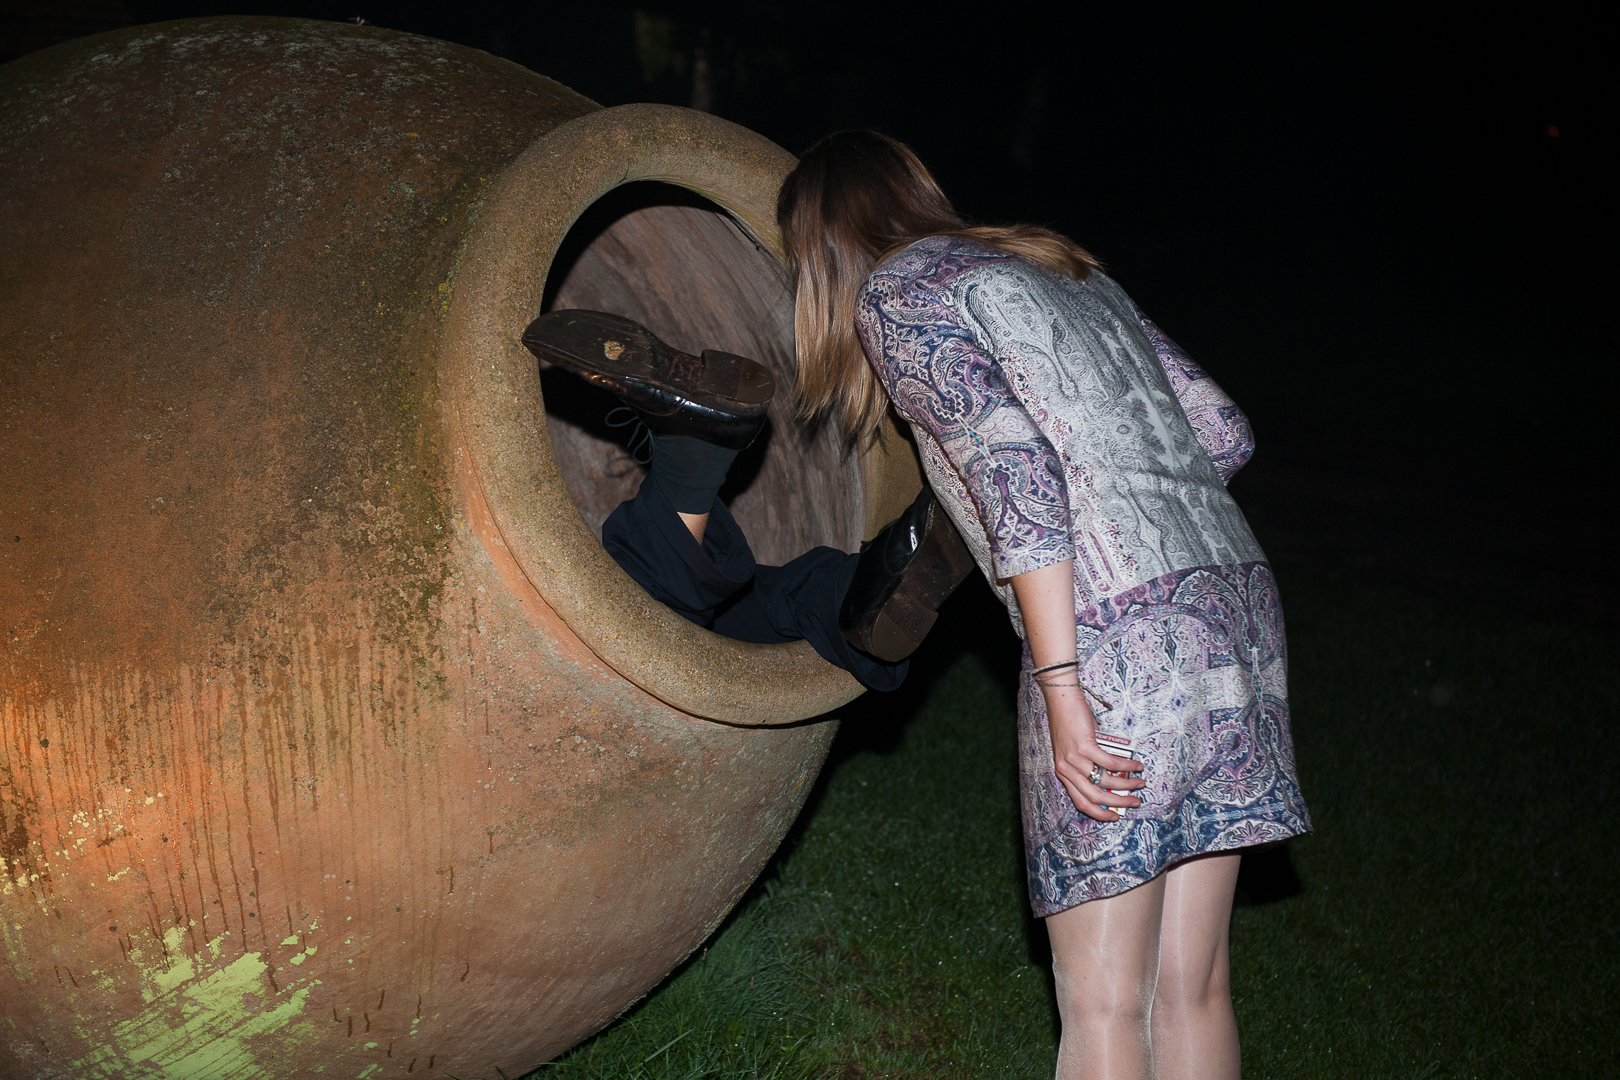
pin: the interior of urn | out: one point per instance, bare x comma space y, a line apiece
682, 267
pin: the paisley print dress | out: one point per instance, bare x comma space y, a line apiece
1056, 422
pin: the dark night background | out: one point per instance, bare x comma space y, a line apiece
1383, 233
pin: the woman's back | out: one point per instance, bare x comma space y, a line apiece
1043, 403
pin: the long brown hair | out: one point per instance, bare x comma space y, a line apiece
855, 199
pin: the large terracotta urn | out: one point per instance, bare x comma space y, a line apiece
330, 738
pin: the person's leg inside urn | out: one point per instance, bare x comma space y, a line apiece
679, 542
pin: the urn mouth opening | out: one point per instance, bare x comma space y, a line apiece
680, 265
701, 265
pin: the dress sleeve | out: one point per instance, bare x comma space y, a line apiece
940, 380
1220, 425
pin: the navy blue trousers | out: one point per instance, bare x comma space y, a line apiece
717, 584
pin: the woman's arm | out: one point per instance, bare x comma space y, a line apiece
941, 380
1046, 599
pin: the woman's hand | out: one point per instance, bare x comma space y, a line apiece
1046, 601
1075, 752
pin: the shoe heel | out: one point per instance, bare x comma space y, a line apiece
901, 624
893, 599
737, 378
948, 560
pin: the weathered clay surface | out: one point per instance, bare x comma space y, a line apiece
326, 739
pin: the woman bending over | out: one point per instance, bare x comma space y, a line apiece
1083, 457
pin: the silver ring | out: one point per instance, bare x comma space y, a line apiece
1095, 776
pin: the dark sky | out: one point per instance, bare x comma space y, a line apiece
1384, 233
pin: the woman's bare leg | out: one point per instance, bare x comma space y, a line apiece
1105, 957
1194, 1031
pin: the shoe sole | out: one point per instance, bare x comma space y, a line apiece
623, 356
906, 617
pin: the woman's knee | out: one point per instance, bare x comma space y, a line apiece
1194, 965
1105, 956
1202, 987
1102, 998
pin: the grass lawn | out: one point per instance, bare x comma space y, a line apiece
1454, 915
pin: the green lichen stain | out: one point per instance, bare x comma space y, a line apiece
195, 1028
181, 971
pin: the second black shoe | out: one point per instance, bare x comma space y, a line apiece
717, 397
902, 578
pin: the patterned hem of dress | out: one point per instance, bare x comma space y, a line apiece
1057, 883
1193, 665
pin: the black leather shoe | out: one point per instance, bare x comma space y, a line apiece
717, 397
903, 576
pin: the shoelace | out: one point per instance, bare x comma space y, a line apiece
639, 442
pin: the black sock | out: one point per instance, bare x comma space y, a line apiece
690, 471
